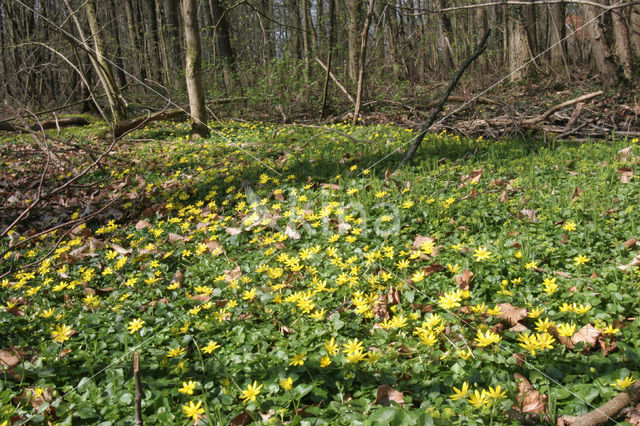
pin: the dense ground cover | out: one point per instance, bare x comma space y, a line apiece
271, 275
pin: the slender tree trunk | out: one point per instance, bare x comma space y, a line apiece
361, 62
353, 9
171, 13
622, 46
332, 24
115, 16
133, 50
306, 48
599, 50
634, 28
530, 25
444, 43
557, 34
151, 36
223, 43
193, 69
100, 64
519, 52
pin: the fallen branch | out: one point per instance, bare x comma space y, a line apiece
49, 124
605, 412
434, 114
337, 82
179, 114
547, 113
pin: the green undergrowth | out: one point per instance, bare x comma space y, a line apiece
288, 274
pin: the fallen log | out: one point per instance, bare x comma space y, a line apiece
605, 412
49, 124
178, 114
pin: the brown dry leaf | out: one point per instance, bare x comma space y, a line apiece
587, 335
292, 233
503, 197
594, 275
232, 274
606, 347
626, 174
634, 262
9, 358
233, 231
512, 315
62, 354
528, 399
464, 279
393, 297
624, 154
562, 274
519, 328
214, 247
201, 297
330, 186
143, 224
121, 250
380, 308
633, 415
174, 238
422, 307
241, 419
286, 330
532, 215
498, 182
432, 269
386, 394
576, 194
630, 242
28, 396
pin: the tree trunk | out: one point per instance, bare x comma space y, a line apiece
634, 30
306, 48
361, 62
444, 44
599, 49
332, 24
519, 52
530, 26
353, 9
223, 43
98, 61
193, 69
557, 33
151, 37
622, 46
171, 13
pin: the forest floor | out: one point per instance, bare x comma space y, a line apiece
273, 272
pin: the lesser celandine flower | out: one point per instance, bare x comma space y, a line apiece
192, 410
580, 260
481, 253
625, 383
487, 338
460, 393
250, 393
188, 387
286, 383
62, 333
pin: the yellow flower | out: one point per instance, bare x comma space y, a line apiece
625, 383
353, 346
172, 353
610, 330
529, 342
535, 312
460, 393
478, 399
355, 357
331, 347
465, 354
481, 253
566, 329
193, 410
250, 393
580, 260
61, 334
188, 387
298, 359
325, 361
135, 325
495, 394
488, 338
286, 383
569, 226
212, 346
542, 326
